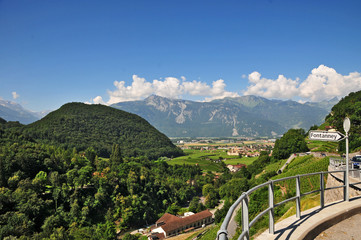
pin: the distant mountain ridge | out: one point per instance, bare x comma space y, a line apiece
11, 111
242, 116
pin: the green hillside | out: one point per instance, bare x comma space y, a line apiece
349, 106
81, 126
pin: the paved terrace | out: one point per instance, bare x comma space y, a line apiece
313, 221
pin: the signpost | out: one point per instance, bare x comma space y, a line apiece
326, 136
336, 137
346, 127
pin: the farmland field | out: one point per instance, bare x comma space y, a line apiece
206, 159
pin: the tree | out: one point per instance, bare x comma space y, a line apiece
195, 205
115, 157
292, 142
173, 209
208, 188
234, 188
211, 196
90, 154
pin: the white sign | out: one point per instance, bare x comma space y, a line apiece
326, 136
346, 124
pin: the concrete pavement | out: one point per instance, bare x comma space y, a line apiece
313, 221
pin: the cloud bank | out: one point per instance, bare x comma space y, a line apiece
323, 83
170, 87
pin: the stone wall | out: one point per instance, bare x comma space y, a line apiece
336, 179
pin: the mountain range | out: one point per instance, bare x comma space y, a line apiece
249, 116
241, 116
11, 111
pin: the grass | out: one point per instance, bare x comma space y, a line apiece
275, 166
193, 234
204, 163
244, 160
212, 233
320, 146
307, 202
206, 159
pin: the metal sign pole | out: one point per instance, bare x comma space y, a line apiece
347, 170
346, 127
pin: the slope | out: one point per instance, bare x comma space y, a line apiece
11, 111
183, 118
81, 126
241, 116
289, 114
349, 106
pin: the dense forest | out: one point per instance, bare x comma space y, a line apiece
49, 192
349, 106
81, 126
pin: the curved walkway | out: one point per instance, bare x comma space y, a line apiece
314, 221
347, 229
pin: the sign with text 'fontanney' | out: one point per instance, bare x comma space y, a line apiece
326, 136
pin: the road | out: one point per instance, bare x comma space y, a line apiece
288, 161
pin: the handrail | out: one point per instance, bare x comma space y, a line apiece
222, 234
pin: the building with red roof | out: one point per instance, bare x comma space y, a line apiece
171, 225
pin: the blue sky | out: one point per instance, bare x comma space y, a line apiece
54, 52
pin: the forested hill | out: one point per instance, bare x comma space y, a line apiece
349, 106
81, 126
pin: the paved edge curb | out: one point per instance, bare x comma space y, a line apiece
328, 222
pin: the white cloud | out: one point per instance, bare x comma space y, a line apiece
218, 91
138, 90
15, 95
169, 87
196, 88
98, 100
323, 83
281, 87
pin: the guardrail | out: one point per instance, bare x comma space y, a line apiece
222, 234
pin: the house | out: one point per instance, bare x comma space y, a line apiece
234, 151
330, 128
235, 168
170, 225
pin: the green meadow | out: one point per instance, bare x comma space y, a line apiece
207, 159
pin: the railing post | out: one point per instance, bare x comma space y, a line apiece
298, 199
245, 217
222, 235
271, 206
322, 188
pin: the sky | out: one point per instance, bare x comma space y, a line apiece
54, 52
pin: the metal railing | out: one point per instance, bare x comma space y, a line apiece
222, 234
